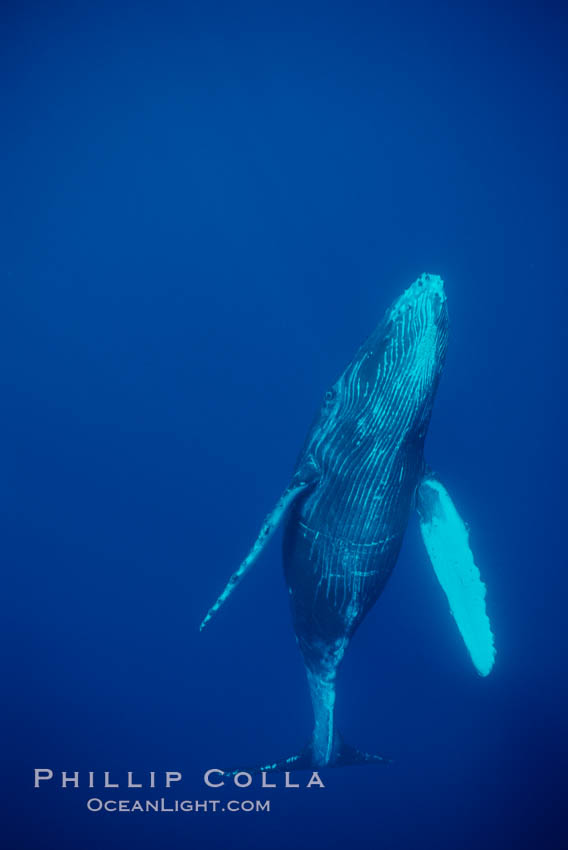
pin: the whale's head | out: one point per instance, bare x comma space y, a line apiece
412, 340
390, 384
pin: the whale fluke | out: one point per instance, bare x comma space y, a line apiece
301, 761
446, 539
305, 760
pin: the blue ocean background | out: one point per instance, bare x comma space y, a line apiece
207, 207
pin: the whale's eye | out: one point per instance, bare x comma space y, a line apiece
330, 395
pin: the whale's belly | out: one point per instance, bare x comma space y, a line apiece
333, 581
339, 552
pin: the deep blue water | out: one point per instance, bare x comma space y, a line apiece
207, 207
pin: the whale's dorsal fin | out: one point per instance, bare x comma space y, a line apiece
446, 536
304, 479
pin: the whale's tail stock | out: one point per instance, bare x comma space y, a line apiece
326, 747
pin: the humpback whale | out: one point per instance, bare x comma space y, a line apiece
358, 477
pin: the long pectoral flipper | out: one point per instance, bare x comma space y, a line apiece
299, 484
446, 539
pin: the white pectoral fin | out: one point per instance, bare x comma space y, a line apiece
302, 481
447, 541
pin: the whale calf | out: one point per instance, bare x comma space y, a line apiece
358, 477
